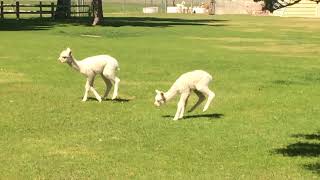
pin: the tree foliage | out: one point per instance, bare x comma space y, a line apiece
272, 5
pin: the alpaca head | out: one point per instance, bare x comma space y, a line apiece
159, 99
65, 56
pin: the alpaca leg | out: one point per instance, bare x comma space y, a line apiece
110, 74
87, 88
200, 100
116, 87
91, 81
181, 105
184, 107
96, 94
108, 86
176, 116
210, 94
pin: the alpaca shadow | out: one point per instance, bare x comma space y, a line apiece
117, 100
91, 99
210, 116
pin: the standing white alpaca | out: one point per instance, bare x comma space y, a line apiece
104, 65
196, 81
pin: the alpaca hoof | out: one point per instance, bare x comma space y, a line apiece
99, 98
175, 119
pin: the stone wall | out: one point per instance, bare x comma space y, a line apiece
238, 7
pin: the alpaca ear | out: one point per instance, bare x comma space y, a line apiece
162, 96
69, 50
157, 91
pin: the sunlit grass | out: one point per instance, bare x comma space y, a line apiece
266, 80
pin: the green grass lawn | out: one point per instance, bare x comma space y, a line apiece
263, 123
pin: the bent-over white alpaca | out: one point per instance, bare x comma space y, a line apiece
104, 65
196, 81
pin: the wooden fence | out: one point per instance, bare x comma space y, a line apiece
41, 9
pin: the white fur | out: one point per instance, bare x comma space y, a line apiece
181, 5
196, 81
104, 65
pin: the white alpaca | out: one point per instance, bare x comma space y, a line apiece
181, 5
196, 81
104, 65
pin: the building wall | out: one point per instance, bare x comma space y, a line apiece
304, 8
237, 7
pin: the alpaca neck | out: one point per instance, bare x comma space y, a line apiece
74, 64
170, 93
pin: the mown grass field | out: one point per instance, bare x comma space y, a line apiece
263, 123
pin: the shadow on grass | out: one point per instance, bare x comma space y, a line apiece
118, 100
122, 100
26, 24
313, 167
36, 24
284, 82
159, 22
210, 116
301, 79
304, 149
308, 136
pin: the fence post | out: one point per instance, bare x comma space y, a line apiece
318, 9
89, 11
1, 9
17, 10
40, 3
165, 6
52, 10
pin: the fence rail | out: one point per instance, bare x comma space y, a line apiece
50, 9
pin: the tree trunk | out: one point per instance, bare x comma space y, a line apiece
63, 9
97, 12
212, 7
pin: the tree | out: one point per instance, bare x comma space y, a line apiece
212, 7
63, 9
97, 12
272, 5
